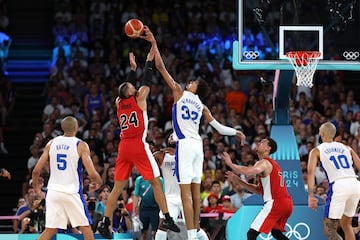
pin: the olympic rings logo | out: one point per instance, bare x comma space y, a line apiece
301, 231
351, 55
252, 55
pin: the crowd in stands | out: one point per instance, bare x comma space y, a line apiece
7, 93
90, 60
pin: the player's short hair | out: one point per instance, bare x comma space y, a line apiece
272, 144
123, 90
202, 89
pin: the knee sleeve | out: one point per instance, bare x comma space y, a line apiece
252, 234
277, 234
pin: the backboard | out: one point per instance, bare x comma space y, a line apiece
267, 29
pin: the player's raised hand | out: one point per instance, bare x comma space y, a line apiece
226, 157
148, 35
231, 177
132, 61
241, 136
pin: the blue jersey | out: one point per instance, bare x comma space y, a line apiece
186, 115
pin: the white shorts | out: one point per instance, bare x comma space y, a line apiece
343, 198
175, 209
64, 208
189, 159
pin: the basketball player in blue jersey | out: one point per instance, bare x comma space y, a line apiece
65, 203
187, 112
166, 161
343, 194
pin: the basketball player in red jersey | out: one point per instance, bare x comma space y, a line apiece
133, 150
271, 185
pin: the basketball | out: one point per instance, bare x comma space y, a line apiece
134, 28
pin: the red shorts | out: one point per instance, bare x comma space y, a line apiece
273, 215
135, 152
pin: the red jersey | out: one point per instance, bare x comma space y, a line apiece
278, 203
133, 150
273, 186
133, 120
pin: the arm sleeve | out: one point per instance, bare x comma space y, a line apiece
131, 77
223, 130
148, 73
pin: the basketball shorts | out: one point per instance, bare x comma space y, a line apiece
189, 159
65, 208
343, 198
135, 152
273, 215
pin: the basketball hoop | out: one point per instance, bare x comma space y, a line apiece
304, 63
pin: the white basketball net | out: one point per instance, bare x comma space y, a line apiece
304, 63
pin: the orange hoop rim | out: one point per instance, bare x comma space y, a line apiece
303, 54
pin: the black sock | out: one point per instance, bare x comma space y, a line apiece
167, 216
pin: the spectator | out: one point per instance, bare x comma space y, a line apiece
3, 115
146, 207
215, 189
121, 219
109, 174
236, 99
9, 98
5, 43
239, 195
212, 203
104, 192
35, 222
22, 212
95, 103
50, 107
34, 158
350, 104
227, 205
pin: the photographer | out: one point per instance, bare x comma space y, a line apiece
99, 210
35, 223
122, 222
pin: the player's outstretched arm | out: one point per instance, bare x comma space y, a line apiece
223, 130
235, 179
133, 66
261, 167
160, 66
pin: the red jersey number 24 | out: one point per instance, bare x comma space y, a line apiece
126, 121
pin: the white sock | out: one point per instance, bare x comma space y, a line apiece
201, 235
160, 235
191, 234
